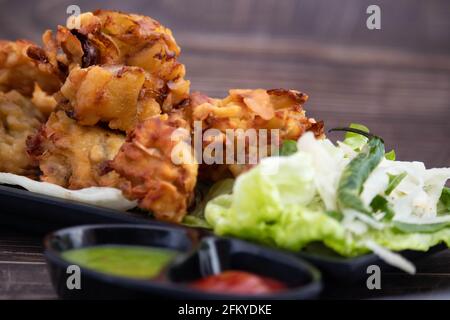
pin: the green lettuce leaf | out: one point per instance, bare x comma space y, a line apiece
296, 227
221, 187
354, 140
288, 147
195, 222
270, 205
397, 240
443, 206
390, 155
357, 141
424, 228
196, 218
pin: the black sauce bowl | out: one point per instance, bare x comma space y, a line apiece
303, 280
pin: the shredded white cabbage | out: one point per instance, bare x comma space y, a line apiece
328, 163
415, 199
392, 258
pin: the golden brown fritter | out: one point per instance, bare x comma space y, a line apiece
74, 156
19, 72
251, 109
118, 95
18, 119
112, 40
45, 102
151, 161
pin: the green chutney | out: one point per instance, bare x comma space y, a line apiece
121, 260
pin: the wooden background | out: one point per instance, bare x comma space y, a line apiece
395, 80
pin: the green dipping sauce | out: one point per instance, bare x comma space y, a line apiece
126, 261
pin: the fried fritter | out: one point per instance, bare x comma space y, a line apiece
251, 109
159, 167
19, 72
18, 119
74, 156
118, 95
112, 40
45, 102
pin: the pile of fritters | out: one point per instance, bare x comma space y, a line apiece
100, 106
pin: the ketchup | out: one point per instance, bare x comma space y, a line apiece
238, 282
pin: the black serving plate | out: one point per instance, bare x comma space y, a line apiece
303, 280
42, 214
337, 268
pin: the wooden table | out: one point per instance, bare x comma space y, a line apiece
395, 80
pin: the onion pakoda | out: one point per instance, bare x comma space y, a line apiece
19, 118
113, 41
251, 109
74, 156
20, 72
159, 167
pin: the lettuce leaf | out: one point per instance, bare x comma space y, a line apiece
196, 218
288, 147
444, 202
390, 155
296, 227
276, 203
355, 140
221, 187
195, 222
397, 240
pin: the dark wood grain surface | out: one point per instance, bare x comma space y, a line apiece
395, 80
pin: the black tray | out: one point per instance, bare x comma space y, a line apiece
42, 214
338, 269
38, 213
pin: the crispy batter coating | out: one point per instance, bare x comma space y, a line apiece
74, 156
146, 161
45, 102
119, 95
107, 39
258, 109
18, 119
19, 72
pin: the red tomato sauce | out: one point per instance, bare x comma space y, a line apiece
238, 282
